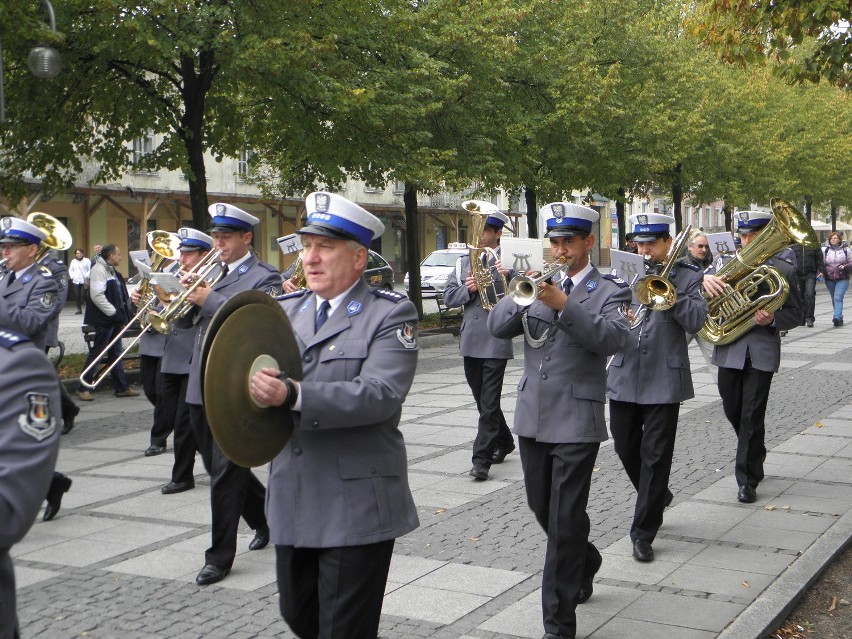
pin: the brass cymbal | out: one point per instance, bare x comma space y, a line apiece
248, 328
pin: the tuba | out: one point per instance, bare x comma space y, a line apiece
490, 283
752, 285
58, 237
165, 246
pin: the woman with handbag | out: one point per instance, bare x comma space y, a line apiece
837, 264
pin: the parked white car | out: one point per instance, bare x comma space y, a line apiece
436, 269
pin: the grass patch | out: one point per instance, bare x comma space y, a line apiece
72, 364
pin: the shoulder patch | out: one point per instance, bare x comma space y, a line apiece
292, 296
38, 420
8, 338
617, 280
45, 271
393, 296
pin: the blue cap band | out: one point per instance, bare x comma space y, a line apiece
495, 221
752, 224
569, 222
189, 241
363, 235
219, 220
22, 235
651, 228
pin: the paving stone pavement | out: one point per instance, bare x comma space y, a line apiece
120, 559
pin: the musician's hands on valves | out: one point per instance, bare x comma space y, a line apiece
201, 292
552, 296
135, 297
289, 286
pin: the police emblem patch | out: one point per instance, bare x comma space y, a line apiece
183, 232
26, 278
243, 269
642, 219
47, 300
558, 210
591, 285
407, 335
38, 422
743, 216
220, 209
353, 308
6, 222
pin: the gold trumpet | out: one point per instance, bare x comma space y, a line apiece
523, 289
207, 272
165, 247
58, 237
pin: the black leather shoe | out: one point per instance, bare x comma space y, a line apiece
177, 487
500, 454
261, 539
550, 635
153, 450
587, 586
809, 323
479, 472
642, 550
59, 485
211, 574
68, 424
669, 498
747, 494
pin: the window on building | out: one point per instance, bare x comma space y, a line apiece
244, 164
398, 187
143, 146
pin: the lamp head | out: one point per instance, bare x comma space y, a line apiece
44, 62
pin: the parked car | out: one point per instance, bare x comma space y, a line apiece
379, 273
436, 269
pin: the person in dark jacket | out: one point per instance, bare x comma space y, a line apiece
698, 251
809, 262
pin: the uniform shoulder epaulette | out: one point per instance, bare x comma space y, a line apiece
393, 296
617, 280
45, 271
293, 295
685, 264
9, 338
268, 267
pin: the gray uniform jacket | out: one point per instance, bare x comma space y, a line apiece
342, 479
655, 369
763, 343
60, 275
475, 340
250, 275
28, 304
177, 352
152, 343
29, 443
562, 392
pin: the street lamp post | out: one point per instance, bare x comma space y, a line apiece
44, 61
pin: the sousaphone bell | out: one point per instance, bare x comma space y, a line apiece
249, 332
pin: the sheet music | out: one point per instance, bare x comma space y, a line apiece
628, 266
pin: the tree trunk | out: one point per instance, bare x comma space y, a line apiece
412, 245
196, 84
532, 212
808, 207
833, 216
677, 197
727, 213
620, 219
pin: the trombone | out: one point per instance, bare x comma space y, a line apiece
207, 272
165, 246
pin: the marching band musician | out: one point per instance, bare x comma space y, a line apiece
338, 491
747, 364
28, 292
569, 331
29, 445
484, 355
234, 490
174, 368
643, 415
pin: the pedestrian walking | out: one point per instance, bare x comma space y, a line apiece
78, 271
837, 257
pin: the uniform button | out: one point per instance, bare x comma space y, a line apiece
547, 358
544, 376
307, 359
341, 354
552, 339
297, 451
372, 471
644, 351
315, 424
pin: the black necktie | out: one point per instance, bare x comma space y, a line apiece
12, 276
225, 270
322, 315
567, 285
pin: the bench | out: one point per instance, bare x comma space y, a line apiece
130, 333
448, 318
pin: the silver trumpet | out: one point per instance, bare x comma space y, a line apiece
523, 289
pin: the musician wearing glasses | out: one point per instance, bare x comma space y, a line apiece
234, 490
570, 330
484, 355
747, 364
649, 378
174, 369
698, 251
338, 491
